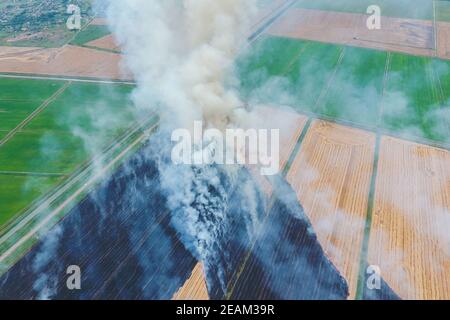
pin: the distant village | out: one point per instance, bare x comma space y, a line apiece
37, 15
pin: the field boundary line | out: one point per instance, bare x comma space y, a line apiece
435, 29
295, 59
392, 44
100, 49
330, 81
297, 147
387, 69
33, 174
34, 76
271, 20
28, 119
363, 260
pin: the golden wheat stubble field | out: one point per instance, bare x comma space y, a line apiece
332, 175
410, 234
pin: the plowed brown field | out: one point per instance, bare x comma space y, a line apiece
66, 61
107, 42
396, 34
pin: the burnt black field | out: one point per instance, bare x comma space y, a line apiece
123, 238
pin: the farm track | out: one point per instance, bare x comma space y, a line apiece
32, 174
64, 78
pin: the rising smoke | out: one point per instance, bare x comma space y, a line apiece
181, 54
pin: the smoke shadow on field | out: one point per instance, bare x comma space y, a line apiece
121, 238
128, 246
287, 261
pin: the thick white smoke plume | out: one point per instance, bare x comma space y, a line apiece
182, 55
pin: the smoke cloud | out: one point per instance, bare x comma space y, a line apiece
182, 55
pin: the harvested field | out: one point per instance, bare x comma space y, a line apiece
6, 52
443, 39
422, 9
66, 61
99, 22
409, 239
195, 287
107, 42
400, 35
331, 176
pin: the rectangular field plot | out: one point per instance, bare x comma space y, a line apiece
417, 9
267, 58
42, 152
13, 89
409, 238
12, 113
296, 76
417, 97
311, 73
81, 122
18, 192
442, 10
88, 109
331, 176
356, 90
90, 33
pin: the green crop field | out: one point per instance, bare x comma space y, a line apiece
24, 90
90, 33
414, 9
417, 88
267, 58
405, 94
356, 90
17, 192
78, 124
